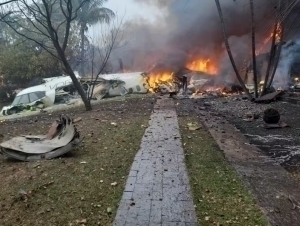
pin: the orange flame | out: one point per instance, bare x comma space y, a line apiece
154, 80
277, 38
204, 65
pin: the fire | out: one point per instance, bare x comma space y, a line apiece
154, 80
166, 80
269, 38
204, 65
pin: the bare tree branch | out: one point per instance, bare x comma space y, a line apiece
46, 22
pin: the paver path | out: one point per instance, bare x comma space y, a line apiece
157, 191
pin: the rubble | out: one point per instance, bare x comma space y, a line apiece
271, 116
269, 97
61, 138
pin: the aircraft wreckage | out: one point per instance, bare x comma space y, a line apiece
61, 138
60, 89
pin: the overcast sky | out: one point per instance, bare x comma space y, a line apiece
133, 10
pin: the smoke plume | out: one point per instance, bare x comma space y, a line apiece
289, 55
191, 29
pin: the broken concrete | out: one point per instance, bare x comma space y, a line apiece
157, 191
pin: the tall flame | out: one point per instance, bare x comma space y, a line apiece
204, 65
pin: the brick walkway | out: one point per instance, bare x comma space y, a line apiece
157, 191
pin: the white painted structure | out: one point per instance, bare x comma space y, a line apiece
44, 92
132, 83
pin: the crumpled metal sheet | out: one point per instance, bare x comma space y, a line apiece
61, 138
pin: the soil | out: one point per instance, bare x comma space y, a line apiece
276, 191
282, 145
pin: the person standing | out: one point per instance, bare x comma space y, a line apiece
184, 84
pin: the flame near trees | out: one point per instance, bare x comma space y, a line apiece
269, 38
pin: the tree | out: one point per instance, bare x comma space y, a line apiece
229, 50
281, 11
19, 64
253, 49
7, 2
110, 38
89, 14
47, 23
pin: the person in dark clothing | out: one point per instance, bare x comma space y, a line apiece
183, 79
184, 84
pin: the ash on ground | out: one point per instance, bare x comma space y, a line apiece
282, 145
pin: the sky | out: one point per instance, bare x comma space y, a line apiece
130, 9
127, 10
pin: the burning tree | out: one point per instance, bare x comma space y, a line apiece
282, 9
48, 24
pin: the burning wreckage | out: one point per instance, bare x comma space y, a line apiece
61, 90
201, 76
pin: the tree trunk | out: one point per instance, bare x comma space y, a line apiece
277, 59
271, 58
75, 81
279, 48
79, 88
229, 51
82, 51
254, 68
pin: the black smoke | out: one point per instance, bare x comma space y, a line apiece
192, 28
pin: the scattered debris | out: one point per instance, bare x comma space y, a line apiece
251, 116
109, 210
114, 184
271, 116
269, 97
276, 126
61, 138
77, 120
193, 127
82, 221
294, 203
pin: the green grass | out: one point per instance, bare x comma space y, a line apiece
219, 195
77, 188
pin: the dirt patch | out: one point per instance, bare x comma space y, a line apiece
78, 188
282, 145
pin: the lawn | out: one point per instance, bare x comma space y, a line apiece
219, 195
84, 187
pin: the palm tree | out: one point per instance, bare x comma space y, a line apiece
91, 13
